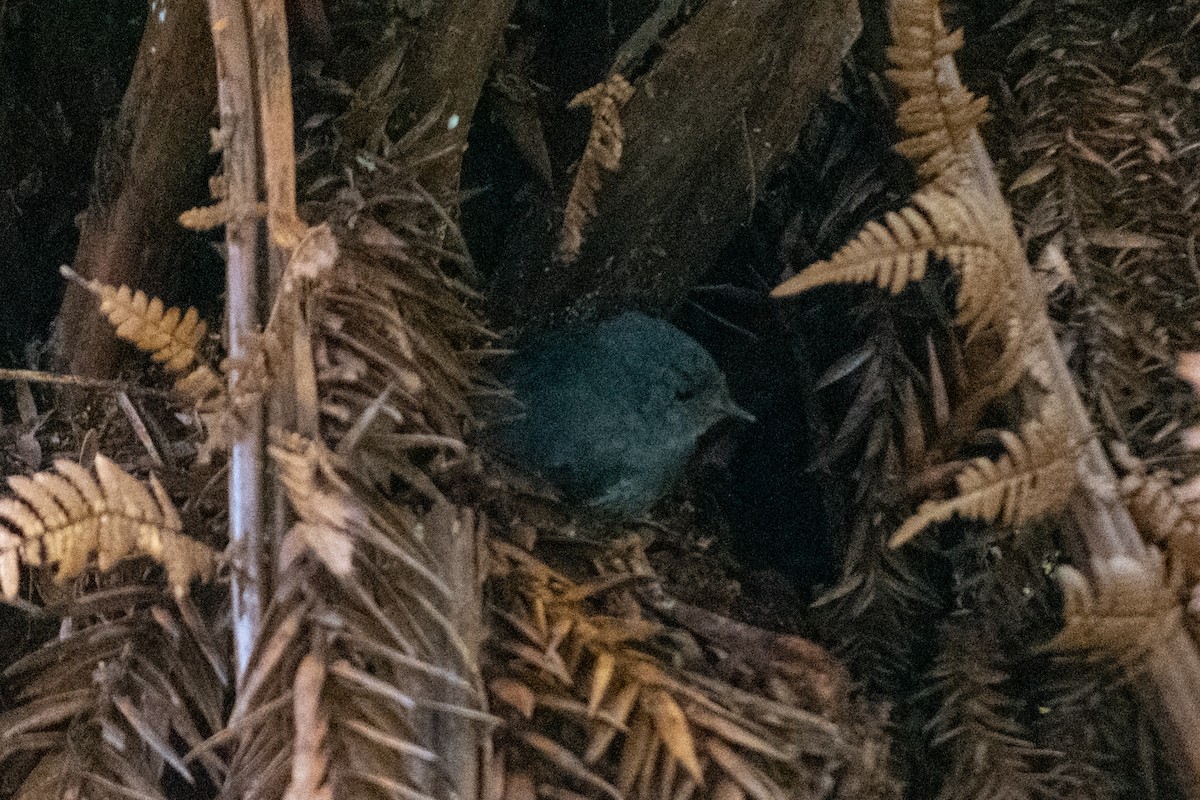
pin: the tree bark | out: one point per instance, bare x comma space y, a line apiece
709, 123
156, 159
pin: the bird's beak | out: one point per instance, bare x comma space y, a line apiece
734, 411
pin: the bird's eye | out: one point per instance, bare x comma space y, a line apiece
685, 394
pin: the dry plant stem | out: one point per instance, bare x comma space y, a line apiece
144, 173
273, 84
1103, 521
274, 81
238, 134
457, 539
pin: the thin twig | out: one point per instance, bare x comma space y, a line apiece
80, 382
140, 430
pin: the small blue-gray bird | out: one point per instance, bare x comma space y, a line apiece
609, 412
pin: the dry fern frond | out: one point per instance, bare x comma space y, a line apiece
585, 698
1166, 518
891, 255
171, 336
1034, 477
206, 218
949, 223
1100, 128
356, 677
1127, 610
990, 753
115, 701
936, 120
603, 152
65, 517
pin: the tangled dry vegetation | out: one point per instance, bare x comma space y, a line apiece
293, 575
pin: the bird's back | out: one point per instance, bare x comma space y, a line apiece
598, 414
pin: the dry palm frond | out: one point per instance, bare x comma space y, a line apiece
937, 119
65, 517
602, 153
106, 707
1034, 477
589, 704
1123, 613
1100, 129
366, 682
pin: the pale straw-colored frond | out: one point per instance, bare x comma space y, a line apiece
1035, 477
170, 335
1128, 608
69, 518
997, 362
601, 154
207, 218
890, 254
937, 118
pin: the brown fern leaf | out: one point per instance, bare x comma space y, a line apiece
67, 516
206, 218
113, 703
948, 223
1128, 609
1034, 477
602, 153
936, 120
1166, 517
563, 672
995, 364
171, 336
891, 254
